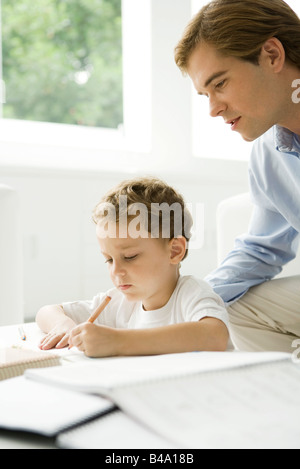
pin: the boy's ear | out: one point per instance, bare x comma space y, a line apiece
177, 249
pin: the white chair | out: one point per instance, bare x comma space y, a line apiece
11, 278
233, 216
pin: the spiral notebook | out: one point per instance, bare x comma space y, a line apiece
102, 376
14, 361
38, 408
200, 400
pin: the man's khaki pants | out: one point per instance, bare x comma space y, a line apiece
267, 317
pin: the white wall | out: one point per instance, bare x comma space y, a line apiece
61, 255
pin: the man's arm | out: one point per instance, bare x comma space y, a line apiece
273, 237
257, 256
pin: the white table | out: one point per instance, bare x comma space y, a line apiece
9, 335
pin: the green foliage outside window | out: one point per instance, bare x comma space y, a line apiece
62, 61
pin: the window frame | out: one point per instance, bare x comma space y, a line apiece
229, 145
157, 135
44, 135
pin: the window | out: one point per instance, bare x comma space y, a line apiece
79, 87
228, 145
62, 61
137, 105
295, 5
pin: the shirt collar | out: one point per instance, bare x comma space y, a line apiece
284, 140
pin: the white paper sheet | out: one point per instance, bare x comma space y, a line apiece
253, 407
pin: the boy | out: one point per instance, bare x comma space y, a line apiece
153, 309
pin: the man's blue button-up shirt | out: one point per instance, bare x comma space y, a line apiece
274, 233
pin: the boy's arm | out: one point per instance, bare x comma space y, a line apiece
209, 334
48, 316
53, 321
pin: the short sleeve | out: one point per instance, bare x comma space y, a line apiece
80, 311
198, 300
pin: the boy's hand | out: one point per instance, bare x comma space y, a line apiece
94, 340
208, 334
58, 337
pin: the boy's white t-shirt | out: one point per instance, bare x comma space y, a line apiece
192, 300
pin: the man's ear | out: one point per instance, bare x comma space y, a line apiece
273, 53
177, 249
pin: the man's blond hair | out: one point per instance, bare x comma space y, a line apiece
239, 28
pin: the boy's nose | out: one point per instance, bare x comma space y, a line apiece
118, 269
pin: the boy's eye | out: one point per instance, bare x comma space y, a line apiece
220, 84
130, 258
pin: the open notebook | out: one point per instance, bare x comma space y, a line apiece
199, 400
102, 376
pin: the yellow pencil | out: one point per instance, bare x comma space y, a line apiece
97, 312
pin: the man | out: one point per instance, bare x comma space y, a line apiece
245, 58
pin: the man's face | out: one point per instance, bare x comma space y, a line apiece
240, 92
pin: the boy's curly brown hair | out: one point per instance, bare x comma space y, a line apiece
163, 204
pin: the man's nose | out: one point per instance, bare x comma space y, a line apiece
216, 107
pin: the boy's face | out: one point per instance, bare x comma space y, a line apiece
245, 95
141, 268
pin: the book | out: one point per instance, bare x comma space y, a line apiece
201, 400
14, 361
29, 406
